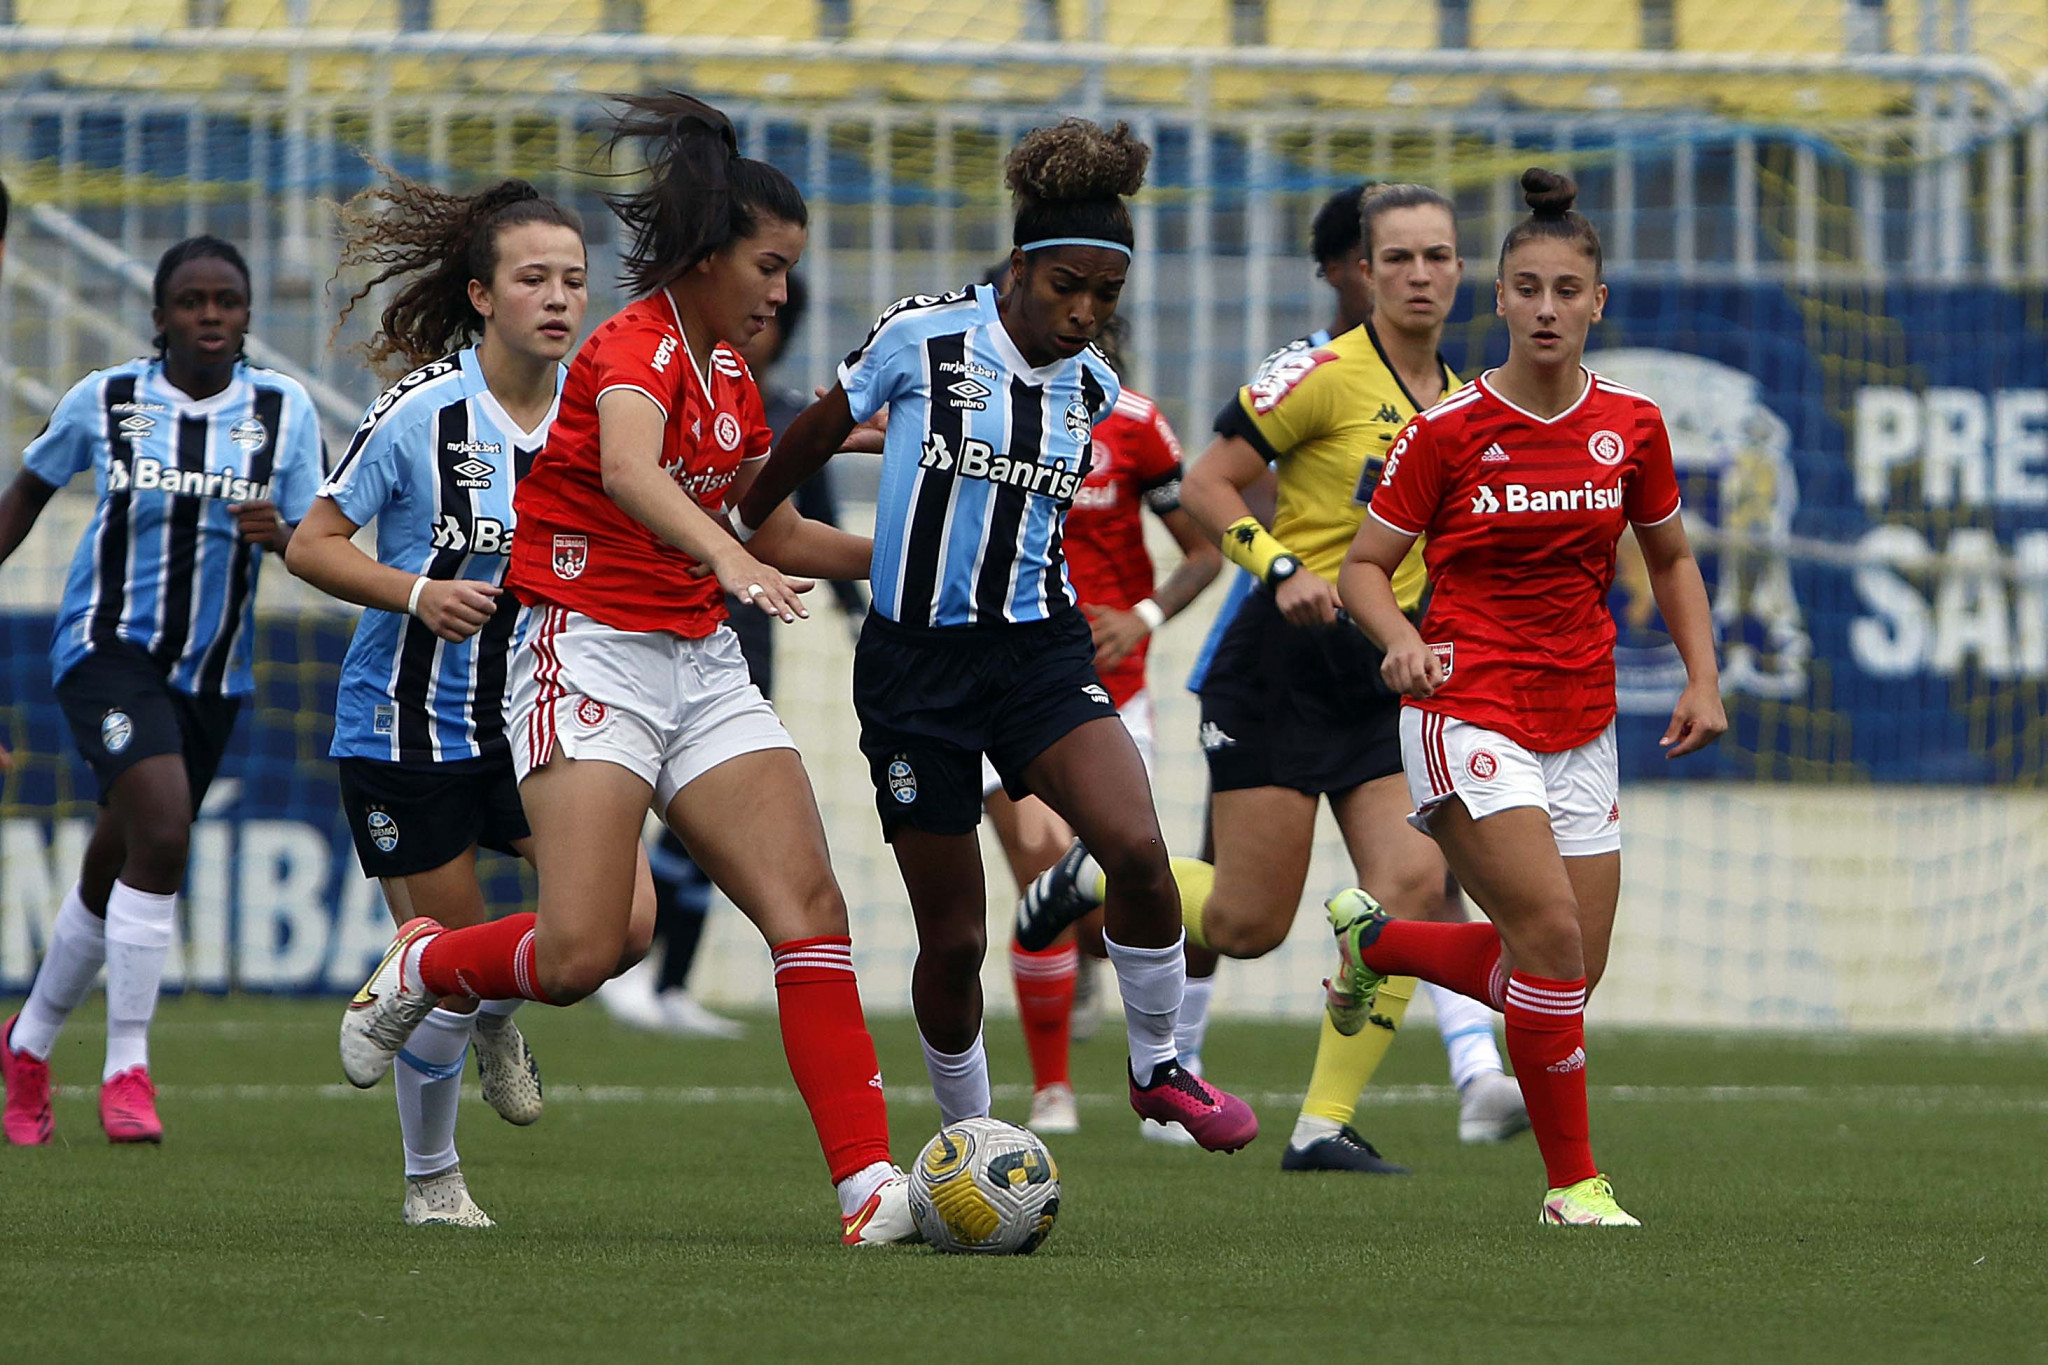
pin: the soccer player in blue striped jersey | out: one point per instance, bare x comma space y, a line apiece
201, 462
492, 300
974, 645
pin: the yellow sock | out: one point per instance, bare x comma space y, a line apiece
1196, 879
1344, 1066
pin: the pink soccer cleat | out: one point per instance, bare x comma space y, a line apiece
27, 1081
128, 1107
1218, 1121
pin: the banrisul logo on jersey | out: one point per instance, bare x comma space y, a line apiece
1515, 499
146, 474
978, 460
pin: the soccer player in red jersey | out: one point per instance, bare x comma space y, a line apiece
1522, 482
630, 688
1136, 464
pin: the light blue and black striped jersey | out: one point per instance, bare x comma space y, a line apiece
435, 462
983, 458
162, 565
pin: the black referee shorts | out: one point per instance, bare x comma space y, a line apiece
1293, 706
122, 710
415, 817
932, 702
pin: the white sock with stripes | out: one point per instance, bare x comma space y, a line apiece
428, 1080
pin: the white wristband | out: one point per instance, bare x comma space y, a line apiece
1151, 613
412, 603
740, 527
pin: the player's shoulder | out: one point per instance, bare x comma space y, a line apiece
916, 316
651, 316
1611, 396
1453, 408
289, 386
91, 390
1289, 372
406, 404
1132, 406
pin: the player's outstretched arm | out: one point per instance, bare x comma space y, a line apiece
812, 439
1366, 583
629, 427
1699, 718
322, 553
20, 505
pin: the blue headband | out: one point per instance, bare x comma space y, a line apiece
1102, 242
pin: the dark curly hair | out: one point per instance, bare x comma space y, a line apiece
701, 194
406, 228
1550, 196
1335, 229
1070, 180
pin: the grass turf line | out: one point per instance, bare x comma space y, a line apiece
1875, 1200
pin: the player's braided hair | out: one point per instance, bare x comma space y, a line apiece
1070, 180
1550, 196
200, 248
1375, 200
701, 194
402, 227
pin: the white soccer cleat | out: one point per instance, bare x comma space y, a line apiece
1491, 1109
885, 1219
442, 1201
1053, 1110
384, 1013
505, 1065
683, 1015
1172, 1134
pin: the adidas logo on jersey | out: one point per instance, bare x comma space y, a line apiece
144, 474
978, 460
1494, 455
1519, 497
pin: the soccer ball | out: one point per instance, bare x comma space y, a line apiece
985, 1186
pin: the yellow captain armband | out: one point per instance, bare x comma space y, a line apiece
1252, 547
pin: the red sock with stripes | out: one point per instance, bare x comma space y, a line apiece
1459, 957
1547, 1041
489, 961
831, 1055
1045, 1006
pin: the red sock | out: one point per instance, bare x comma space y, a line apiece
1547, 1041
1045, 1005
489, 961
1459, 957
830, 1053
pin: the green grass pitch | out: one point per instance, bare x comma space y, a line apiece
1818, 1200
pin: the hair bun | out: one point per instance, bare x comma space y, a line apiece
1549, 194
1077, 160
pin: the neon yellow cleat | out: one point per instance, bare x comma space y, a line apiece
1588, 1204
1348, 995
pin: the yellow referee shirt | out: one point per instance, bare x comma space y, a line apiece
1326, 416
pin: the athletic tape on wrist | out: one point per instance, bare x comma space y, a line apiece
1151, 613
412, 603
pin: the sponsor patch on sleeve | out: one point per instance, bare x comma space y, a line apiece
1283, 376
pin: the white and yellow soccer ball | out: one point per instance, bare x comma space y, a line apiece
985, 1187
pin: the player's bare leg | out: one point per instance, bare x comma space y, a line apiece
942, 875
1094, 778
1033, 838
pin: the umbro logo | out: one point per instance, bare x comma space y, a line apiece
472, 474
1484, 501
969, 394
1387, 413
1213, 737
1494, 455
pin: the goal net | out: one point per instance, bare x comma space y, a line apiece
1826, 228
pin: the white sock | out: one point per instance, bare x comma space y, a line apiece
959, 1080
498, 1009
1466, 1027
78, 947
1193, 1023
428, 1079
856, 1188
140, 927
1310, 1128
1153, 982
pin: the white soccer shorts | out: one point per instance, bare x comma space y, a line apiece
1137, 716
668, 709
1579, 788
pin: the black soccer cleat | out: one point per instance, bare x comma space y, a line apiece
1053, 902
1344, 1150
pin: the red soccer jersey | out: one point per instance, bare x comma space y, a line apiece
1135, 460
577, 548
1522, 517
